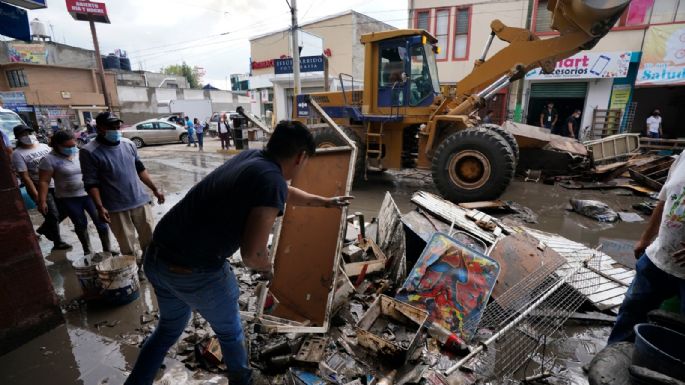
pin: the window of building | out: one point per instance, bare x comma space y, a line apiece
461, 34
442, 27
645, 12
423, 20
543, 17
16, 78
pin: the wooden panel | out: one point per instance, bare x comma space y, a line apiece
307, 250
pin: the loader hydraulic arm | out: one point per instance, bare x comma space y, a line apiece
580, 23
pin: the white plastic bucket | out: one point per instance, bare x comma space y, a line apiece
88, 278
119, 279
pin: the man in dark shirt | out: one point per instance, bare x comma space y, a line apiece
572, 125
549, 117
235, 206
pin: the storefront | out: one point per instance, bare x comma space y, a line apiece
583, 81
660, 81
16, 101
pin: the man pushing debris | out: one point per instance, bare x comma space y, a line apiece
660, 269
234, 207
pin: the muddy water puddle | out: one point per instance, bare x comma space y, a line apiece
99, 343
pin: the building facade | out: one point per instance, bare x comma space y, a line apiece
603, 82
337, 37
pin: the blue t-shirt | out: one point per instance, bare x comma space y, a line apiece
114, 169
207, 225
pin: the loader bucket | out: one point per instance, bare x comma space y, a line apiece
594, 17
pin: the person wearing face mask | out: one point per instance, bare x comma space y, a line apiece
62, 166
573, 125
113, 176
26, 159
654, 125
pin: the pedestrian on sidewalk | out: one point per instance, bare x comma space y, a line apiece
26, 159
572, 127
199, 131
654, 129
191, 132
233, 208
549, 117
112, 175
660, 269
224, 129
62, 166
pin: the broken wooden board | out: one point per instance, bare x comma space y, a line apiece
496, 204
307, 249
519, 256
449, 212
391, 238
652, 174
356, 268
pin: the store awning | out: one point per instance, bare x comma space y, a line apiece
663, 57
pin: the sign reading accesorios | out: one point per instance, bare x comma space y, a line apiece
587, 65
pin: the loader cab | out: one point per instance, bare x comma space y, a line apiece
407, 72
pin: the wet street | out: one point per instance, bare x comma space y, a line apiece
98, 343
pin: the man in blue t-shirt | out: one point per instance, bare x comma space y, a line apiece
233, 208
114, 176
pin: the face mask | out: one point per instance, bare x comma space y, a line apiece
113, 135
28, 140
68, 151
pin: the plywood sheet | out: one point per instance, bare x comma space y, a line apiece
307, 250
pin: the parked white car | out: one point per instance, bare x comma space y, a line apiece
8, 120
155, 131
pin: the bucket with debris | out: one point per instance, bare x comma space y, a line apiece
119, 279
87, 277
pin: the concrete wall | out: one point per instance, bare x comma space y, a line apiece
339, 34
58, 54
48, 85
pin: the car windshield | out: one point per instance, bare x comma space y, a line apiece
9, 120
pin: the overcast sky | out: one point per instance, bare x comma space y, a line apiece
156, 33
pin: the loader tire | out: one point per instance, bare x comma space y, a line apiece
508, 136
328, 137
474, 164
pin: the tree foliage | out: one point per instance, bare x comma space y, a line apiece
191, 74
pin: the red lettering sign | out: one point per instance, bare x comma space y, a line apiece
256, 65
87, 10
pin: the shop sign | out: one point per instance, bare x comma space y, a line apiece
620, 95
27, 53
587, 65
14, 22
257, 65
663, 56
85, 10
302, 106
13, 98
28, 4
307, 64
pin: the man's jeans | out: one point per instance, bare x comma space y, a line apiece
651, 286
214, 294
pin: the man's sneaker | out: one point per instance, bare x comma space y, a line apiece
61, 246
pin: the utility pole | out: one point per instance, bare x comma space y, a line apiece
296, 46
98, 62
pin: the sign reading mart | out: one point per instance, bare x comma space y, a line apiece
587, 65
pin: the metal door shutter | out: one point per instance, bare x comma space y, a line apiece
558, 90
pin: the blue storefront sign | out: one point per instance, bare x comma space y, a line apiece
28, 4
307, 64
14, 22
15, 100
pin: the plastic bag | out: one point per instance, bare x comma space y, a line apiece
596, 210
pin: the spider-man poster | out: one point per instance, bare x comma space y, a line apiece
453, 283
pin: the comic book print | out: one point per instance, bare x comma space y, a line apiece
452, 283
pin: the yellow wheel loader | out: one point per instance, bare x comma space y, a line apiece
401, 119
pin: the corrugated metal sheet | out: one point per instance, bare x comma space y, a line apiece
613, 278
